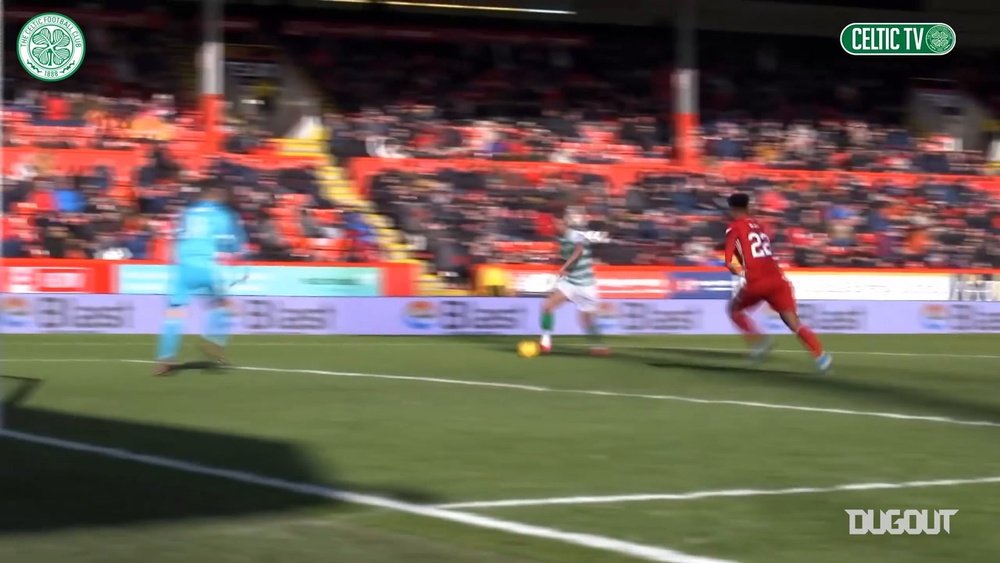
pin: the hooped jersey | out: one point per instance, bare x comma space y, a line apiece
580, 272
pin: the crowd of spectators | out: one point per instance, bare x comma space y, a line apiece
54, 120
610, 101
597, 101
836, 145
460, 218
81, 214
604, 103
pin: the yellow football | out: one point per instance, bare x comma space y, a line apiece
528, 349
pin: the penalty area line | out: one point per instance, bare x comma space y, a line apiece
591, 541
722, 493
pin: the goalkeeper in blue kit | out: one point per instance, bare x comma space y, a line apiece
207, 229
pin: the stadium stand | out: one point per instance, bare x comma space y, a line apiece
98, 166
461, 217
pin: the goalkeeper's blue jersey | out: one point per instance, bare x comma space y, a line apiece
206, 230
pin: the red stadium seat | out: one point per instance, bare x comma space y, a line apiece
326, 216
282, 212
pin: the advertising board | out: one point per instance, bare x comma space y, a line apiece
630, 283
276, 281
875, 286
66, 276
143, 314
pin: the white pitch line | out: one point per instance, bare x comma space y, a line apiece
472, 383
594, 392
695, 495
621, 547
63, 360
430, 343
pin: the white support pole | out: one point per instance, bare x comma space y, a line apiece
685, 84
211, 72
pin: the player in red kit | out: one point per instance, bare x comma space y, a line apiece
762, 280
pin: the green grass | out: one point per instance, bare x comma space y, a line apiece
433, 443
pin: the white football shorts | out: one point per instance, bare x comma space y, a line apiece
583, 296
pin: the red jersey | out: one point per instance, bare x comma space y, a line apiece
747, 241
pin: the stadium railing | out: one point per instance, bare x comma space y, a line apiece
397, 279
145, 277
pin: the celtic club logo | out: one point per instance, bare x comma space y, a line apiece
51, 47
940, 39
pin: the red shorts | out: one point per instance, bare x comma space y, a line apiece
777, 292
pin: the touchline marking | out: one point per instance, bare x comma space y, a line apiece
430, 343
593, 392
621, 547
379, 376
62, 360
695, 495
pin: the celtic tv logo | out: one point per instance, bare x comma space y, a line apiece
51, 47
898, 39
940, 38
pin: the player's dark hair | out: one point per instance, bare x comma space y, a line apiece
739, 201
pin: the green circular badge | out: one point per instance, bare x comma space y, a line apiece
940, 39
51, 47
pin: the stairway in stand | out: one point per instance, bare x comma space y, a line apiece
339, 189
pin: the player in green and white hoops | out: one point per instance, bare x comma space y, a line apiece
576, 282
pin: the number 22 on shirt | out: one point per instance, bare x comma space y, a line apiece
760, 245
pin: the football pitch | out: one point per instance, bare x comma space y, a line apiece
455, 450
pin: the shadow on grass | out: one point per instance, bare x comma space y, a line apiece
46, 488
198, 365
730, 367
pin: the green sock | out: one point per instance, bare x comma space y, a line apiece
548, 321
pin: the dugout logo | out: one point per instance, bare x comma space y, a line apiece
634, 316
897, 521
56, 314
462, 316
265, 315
